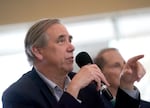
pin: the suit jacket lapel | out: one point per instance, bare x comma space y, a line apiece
106, 102
44, 88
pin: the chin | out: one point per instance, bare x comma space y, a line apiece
68, 69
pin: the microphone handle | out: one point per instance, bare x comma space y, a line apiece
106, 92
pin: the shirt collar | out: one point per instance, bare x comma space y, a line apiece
51, 85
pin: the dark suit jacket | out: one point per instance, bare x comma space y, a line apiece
30, 91
108, 104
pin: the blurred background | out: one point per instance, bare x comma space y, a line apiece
94, 24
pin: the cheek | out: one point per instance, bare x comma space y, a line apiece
116, 75
113, 76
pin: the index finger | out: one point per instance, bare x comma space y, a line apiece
135, 58
104, 80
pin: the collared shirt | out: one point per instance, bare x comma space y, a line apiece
133, 93
54, 88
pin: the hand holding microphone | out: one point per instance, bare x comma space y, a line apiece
86, 75
83, 59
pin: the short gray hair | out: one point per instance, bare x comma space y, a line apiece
100, 60
36, 36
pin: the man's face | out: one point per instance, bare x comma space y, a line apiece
58, 54
113, 67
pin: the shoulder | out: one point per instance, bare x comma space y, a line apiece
144, 104
22, 87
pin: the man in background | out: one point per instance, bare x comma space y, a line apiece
120, 73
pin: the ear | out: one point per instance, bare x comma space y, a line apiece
37, 53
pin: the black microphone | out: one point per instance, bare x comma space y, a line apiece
82, 59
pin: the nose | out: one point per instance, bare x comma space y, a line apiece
71, 47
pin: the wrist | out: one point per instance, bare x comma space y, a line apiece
73, 90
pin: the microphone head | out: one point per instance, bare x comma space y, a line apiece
83, 58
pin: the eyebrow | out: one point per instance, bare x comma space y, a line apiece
62, 36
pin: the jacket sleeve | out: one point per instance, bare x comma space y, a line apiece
68, 101
123, 100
